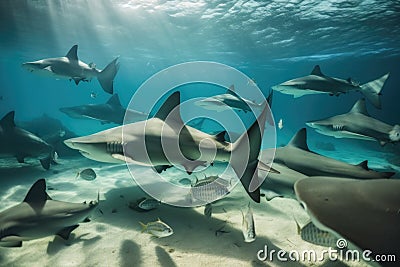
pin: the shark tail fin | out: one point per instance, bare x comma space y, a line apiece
372, 90
249, 143
106, 76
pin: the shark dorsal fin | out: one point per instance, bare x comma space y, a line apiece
317, 71
299, 140
170, 108
364, 165
360, 107
8, 120
114, 100
37, 194
73, 53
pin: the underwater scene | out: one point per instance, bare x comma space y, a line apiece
199, 133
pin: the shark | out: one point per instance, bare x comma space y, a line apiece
228, 100
357, 124
38, 216
363, 212
165, 141
319, 83
110, 112
19, 143
70, 67
296, 161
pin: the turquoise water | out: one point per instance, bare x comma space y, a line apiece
269, 41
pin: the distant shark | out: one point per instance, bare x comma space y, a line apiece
164, 141
39, 216
318, 83
363, 212
70, 67
19, 143
296, 161
110, 112
228, 100
358, 124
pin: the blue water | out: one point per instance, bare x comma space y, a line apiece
270, 41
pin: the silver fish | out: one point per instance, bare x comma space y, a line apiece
209, 189
208, 210
148, 203
248, 227
310, 233
157, 228
87, 174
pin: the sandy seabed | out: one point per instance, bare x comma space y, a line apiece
114, 237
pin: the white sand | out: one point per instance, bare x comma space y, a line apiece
113, 237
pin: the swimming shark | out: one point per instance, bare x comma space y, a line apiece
363, 212
19, 143
110, 112
70, 67
296, 161
228, 100
358, 124
40, 216
164, 141
318, 83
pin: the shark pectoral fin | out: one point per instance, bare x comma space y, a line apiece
65, 233
46, 162
161, 168
264, 167
86, 220
48, 68
220, 137
123, 158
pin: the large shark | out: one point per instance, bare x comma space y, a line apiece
19, 143
39, 216
318, 83
296, 161
364, 212
164, 141
70, 67
358, 124
110, 112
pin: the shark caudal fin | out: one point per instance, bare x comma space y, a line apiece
249, 143
106, 76
372, 90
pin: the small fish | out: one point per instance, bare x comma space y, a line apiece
209, 189
310, 233
248, 227
93, 95
87, 174
157, 228
148, 203
185, 181
280, 124
208, 210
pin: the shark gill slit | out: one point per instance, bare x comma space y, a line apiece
114, 147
